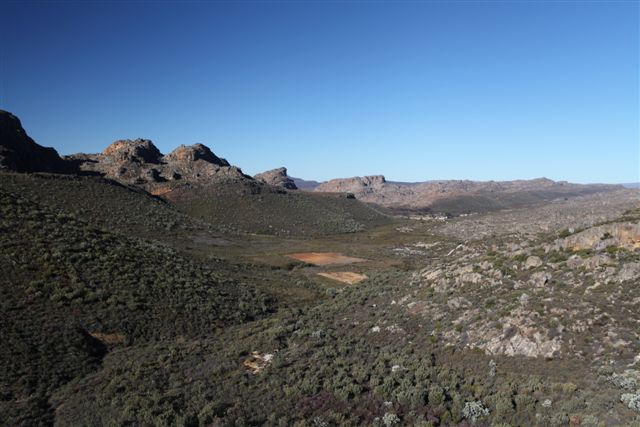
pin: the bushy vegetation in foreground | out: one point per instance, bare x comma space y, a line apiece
68, 290
352, 360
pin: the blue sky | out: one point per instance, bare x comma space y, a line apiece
412, 90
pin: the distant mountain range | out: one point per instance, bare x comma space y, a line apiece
458, 196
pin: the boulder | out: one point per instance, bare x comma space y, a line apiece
540, 279
533, 262
192, 153
137, 150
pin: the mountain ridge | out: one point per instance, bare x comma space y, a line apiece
431, 195
188, 169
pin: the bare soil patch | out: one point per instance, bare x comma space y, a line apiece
325, 258
348, 277
256, 362
109, 339
161, 191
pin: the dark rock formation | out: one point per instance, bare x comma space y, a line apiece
277, 178
20, 153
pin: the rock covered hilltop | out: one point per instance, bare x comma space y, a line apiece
133, 162
139, 162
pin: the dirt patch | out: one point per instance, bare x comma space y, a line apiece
256, 362
347, 277
161, 191
325, 258
109, 339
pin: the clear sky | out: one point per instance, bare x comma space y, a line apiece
413, 90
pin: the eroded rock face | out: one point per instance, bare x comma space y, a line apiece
277, 178
624, 235
20, 153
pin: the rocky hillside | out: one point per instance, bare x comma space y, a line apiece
458, 196
20, 153
277, 178
485, 330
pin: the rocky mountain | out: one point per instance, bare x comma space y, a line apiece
277, 178
20, 153
458, 196
191, 179
139, 162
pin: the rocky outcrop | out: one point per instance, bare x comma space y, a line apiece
139, 162
191, 153
190, 168
353, 185
359, 185
622, 235
20, 153
138, 151
277, 178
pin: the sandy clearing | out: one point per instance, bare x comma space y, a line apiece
348, 277
324, 258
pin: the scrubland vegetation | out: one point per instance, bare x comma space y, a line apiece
119, 308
